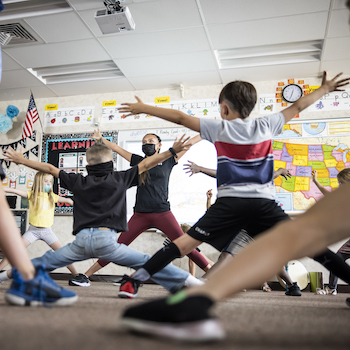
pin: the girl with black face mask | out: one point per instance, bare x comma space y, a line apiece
152, 208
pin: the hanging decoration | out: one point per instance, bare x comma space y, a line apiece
6, 120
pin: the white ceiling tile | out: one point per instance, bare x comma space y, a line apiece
167, 64
339, 4
18, 78
58, 53
93, 87
268, 31
160, 43
86, 5
8, 63
336, 66
24, 93
228, 11
174, 80
336, 48
164, 15
67, 27
339, 25
298, 70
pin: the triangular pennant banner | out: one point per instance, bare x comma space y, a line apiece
35, 150
23, 143
33, 136
1, 161
5, 147
14, 145
7, 162
26, 155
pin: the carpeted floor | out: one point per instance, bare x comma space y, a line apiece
253, 320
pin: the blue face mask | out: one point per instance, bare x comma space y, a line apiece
47, 188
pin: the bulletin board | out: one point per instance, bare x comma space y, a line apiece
68, 152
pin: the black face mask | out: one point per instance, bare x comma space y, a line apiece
149, 149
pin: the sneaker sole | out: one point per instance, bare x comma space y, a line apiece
122, 294
22, 301
85, 284
201, 331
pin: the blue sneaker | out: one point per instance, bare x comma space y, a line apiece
41, 290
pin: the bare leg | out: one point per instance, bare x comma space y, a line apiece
94, 268
307, 235
191, 267
57, 245
11, 241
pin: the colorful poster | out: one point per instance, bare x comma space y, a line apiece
69, 116
206, 108
306, 146
333, 101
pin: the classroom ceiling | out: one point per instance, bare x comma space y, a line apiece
175, 42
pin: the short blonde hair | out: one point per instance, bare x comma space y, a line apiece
185, 227
98, 153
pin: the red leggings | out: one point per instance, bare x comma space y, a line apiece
164, 222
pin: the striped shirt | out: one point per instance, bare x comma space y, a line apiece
244, 150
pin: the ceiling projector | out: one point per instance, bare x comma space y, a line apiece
114, 18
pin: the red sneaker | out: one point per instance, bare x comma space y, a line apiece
128, 287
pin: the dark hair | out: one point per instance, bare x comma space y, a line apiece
159, 140
240, 97
96, 152
344, 175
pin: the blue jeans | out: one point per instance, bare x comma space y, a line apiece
94, 243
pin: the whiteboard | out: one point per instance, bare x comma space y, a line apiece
187, 195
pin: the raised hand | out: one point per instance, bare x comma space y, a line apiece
13, 156
334, 84
191, 168
132, 108
182, 144
209, 194
96, 135
314, 175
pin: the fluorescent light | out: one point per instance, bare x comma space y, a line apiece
77, 72
17, 9
266, 55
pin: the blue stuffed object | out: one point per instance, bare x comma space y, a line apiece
6, 120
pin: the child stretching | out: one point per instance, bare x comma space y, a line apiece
41, 213
243, 238
344, 251
100, 212
245, 193
31, 286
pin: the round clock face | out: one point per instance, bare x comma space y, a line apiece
292, 92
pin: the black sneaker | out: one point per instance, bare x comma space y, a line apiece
128, 287
293, 290
177, 317
81, 280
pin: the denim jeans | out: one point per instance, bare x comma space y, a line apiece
95, 243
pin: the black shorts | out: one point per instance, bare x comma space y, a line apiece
229, 215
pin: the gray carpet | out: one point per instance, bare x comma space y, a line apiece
253, 320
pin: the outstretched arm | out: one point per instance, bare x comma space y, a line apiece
282, 172
23, 194
114, 147
191, 142
209, 195
65, 200
152, 161
170, 115
319, 186
18, 158
193, 168
307, 100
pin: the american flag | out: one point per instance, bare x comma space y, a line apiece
31, 117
